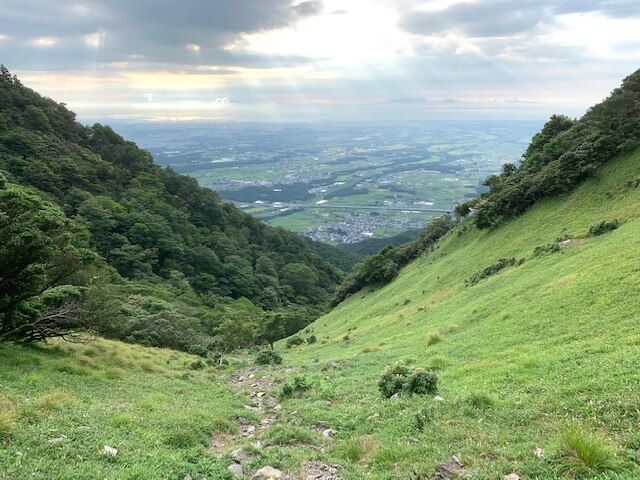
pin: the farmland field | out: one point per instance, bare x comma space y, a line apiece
339, 183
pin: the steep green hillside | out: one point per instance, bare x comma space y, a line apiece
204, 268
522, 355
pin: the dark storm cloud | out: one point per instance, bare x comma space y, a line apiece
139, 30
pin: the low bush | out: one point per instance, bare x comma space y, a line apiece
268, 357
545, 249
293, 341
493, 269
402, 379
312, 339
603, 227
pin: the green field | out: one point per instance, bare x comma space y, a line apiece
544, 355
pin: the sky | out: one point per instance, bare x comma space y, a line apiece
318, 60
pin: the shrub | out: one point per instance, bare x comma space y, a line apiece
295, 388
293, 341
493, 269
422, 382
550, 248
197, 365
268, 357
312, 339
582, 453
603, 227
399, 378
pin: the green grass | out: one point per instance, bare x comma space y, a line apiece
58, 411
523, 353
553, 340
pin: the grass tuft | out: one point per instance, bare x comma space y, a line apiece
433, 338
582, 453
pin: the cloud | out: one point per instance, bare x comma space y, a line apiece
154, 31
494, 18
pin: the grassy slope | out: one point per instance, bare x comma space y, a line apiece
551, 343
60, 404
524, 353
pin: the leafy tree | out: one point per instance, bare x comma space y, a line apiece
37, 257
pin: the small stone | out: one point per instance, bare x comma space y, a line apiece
511, 476
267, 473
236, 470
261, 394
538, 452
438, 398
328, 433
288, 370
188, 477
395, 396
240, 456
59, 439
109, 451
277, 408
252, 375
241, 379
373, 417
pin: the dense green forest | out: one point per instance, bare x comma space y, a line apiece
94, 233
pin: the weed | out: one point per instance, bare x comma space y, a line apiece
371, 349
290, 435
582, 453
424, 417
480, 401
295, 388
433, 338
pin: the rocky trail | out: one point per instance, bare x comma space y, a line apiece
258, 390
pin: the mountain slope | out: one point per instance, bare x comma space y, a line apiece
171, 240
523, 354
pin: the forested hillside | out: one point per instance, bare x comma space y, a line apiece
164, 261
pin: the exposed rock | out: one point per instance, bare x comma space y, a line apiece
239, 456
452, 468
319, 471
438, 398
267, 473
328, 433
277, 407
109, 451
247, 430
395, 396
538, 452
567, 243
187, 477
251, 375
511, 476
236, 470
59, 439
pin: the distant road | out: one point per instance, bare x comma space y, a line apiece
346, 207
